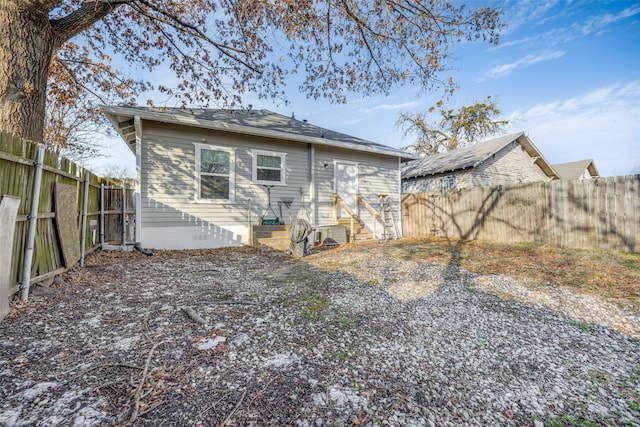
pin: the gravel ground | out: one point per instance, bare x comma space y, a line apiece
352, 336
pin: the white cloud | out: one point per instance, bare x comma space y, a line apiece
526, 14
601, 124
630, 89
391, 107
599, 22
521, 13
506, 69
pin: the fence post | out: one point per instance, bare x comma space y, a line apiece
124, 215
83, 230
102, 215
33, 222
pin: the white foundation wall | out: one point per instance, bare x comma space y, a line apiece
199, 237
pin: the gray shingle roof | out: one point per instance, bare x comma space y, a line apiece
252, 121
573, 170
472, 156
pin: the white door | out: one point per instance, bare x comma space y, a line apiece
346, 185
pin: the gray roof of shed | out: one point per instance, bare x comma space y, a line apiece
573, 170
472, 156
263, 123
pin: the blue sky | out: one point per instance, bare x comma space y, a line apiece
565, 72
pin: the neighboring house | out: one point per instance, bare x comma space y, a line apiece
574, 171
505, 160
203, 175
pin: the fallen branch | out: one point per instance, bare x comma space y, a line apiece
136, 396
151, 408
224, 423
227, 302
109, 384
194, 316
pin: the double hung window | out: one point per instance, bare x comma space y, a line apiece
214, 172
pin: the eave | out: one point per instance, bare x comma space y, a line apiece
122, 117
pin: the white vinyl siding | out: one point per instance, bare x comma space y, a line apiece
377, 174
168, 170
170, 212
511, 165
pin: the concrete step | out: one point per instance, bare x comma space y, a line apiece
270, 235
277, 244
276, 234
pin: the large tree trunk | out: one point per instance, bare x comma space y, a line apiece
26, 48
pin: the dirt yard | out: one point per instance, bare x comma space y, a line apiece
394, 334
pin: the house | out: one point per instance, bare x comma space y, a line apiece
508, 159
577, 171
205, 178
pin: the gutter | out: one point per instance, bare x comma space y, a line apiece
248, 130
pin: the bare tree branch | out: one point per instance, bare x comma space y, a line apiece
219, 50
85, 16
224, 49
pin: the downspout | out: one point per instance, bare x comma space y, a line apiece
138, 247
400, 197
312, 184
124, 216
249, 218
33, 223
137, 123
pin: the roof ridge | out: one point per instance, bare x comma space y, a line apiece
263, 122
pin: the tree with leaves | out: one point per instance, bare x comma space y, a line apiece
451, 128
219, 50
73, 123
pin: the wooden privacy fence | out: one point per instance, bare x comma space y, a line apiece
59, 211
601, 214
117, 215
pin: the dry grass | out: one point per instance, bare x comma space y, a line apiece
609, 274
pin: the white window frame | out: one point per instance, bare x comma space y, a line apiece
447, 182
283, 167
232, 172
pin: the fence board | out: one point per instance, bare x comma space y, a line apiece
612, 212
636, 211
601, 214
16, 178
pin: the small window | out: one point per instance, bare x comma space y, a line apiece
269, 167
484, 180
447, 182
214, 173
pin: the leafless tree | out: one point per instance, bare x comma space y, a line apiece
63, 50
